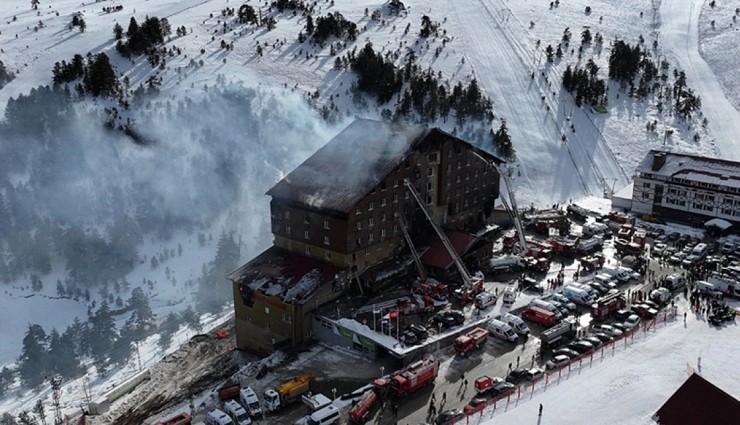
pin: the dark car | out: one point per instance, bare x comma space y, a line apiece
420, 331
476, 405
449, 416
521, 375
621, 326
449, 318
596, 342
557, 361
603, 337
673, 236
644, 311
623, 314
501, 389
410, 338
566, 352
582, 347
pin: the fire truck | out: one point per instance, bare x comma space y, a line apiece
607, 306
471, 340
409, 380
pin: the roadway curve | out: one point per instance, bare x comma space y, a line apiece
679, 38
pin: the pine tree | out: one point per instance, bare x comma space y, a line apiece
118, 31
133, 27
503, 141
142, 313
40, 411
7, 376
62, 358
101, 335
82, 25
7, 419
167, 329
32, 363
25, 418
212, 293
191, 319
309, 24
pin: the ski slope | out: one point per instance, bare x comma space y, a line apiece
679, 35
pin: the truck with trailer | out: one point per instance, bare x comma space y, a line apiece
726, 284
471, 340
288, 392
360, 412
559, 333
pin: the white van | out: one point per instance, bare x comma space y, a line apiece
509, 295
237, 412
501, 330
675, 281
701, 250
578, 295
515, 322
250, 401
707, 288
326, 416
546, 306
605, 280
591, 291
619, 274
218, 417
485, 299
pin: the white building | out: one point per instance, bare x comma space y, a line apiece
687, 188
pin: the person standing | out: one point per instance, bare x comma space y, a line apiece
540, 414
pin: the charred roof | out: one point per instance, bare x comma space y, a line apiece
354, 162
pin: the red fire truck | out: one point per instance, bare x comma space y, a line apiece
470, 341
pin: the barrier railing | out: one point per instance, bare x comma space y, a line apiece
576, 363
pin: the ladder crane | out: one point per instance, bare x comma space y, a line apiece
471, 284
428, 287
510, 205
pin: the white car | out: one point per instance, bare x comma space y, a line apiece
632, 322
658, 249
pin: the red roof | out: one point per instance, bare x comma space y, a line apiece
698, 401
437, 255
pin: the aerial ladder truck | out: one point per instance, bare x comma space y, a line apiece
472, 285
427, 286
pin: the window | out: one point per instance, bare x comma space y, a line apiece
395, 229
382, 202
326, 224
467, 176
429, 200
359, 225
327, 255
646, 185
395, 183
326, 240
432, 157
306, 220
395, 198
429, 186
459, 165
467, 162
382, 234
267, 310
382, 216
370, 206
406, 195
370, 222
358, 211
430, 172
307, 250
306, 235
457, 180
370, 238
287, 229
383, 186
358, 242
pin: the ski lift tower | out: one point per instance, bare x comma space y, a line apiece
56, 387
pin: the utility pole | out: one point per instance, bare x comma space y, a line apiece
56, 387
138, 355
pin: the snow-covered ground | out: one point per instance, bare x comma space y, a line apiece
628, 386
491, 40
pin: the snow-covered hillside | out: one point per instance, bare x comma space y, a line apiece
563, 151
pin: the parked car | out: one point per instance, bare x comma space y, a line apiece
501, 389
420, 331
476, 405
608, 329
562, 299
632, 321
674, 236
523, 375
603, 337
644, 311
449, 319
566, 352
556, 361
449, 416
620, 326
582, 347
727, 248
596, 342
623, 314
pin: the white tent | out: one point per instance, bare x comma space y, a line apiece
718, 222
